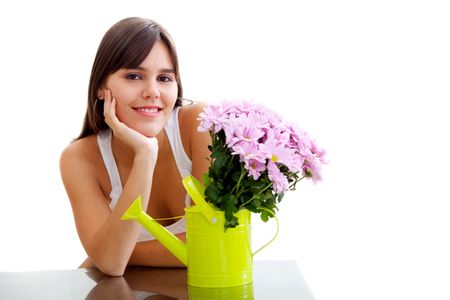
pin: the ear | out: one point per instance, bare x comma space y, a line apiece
101, 94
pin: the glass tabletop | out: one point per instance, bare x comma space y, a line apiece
272, 280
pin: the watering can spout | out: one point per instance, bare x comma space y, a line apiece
166, 238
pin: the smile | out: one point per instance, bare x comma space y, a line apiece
149, 111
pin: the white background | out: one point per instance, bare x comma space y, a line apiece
368, 79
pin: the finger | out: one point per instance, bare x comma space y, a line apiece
110, 109
113, 106
107, 103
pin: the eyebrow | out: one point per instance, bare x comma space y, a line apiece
165, 70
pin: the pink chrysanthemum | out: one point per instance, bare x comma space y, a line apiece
264, 141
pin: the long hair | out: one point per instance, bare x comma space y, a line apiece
125, 45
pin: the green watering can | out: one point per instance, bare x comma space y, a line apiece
214, 257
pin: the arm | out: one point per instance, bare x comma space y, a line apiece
148, 253
197, 142
153, 253
108, 241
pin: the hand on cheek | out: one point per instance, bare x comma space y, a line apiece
110, 110
132, 138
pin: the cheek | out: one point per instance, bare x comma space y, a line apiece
121, 106
123, 96
120, 113
172, 93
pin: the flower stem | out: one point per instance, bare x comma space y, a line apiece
295, 182
236, 187
251, 199
229, 169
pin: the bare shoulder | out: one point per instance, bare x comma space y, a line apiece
80, 149
79, 158
188, 123
196, 143
188, 114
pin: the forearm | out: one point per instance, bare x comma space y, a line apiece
148, 254
114, 242
154, 254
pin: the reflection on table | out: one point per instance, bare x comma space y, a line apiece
272, 280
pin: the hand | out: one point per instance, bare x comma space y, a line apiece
133, 139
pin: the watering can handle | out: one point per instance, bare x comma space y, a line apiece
197, 191
274, 237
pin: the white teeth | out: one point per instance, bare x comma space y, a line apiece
149, 110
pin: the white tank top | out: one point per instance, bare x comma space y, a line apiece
183, 162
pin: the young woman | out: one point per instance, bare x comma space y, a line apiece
136, 139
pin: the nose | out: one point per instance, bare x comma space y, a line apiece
151, 90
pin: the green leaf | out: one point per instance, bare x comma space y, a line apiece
256, 203
221, 160
231, 223
206, 180
229, 206
256, 185
236, 175
264, 216
212, 193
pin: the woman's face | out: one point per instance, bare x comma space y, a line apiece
146, 95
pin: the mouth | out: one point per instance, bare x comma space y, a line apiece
148, 110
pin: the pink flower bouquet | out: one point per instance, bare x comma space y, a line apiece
256, 157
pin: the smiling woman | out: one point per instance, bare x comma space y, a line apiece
123, 49
137, 139
154, 78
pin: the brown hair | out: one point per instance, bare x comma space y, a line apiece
125, 45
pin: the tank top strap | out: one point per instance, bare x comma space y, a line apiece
184, 164
104, 144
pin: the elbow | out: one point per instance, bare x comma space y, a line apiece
114, 273
110, 263
112, 270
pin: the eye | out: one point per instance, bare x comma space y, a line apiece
133, 76
165, 78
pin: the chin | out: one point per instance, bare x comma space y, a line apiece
151, 132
